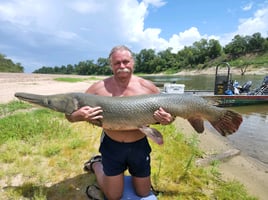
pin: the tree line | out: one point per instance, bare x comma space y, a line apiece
201, 54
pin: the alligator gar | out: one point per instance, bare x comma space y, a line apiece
136, 112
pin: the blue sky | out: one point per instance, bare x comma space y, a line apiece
52, 33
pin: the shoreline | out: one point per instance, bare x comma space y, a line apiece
236, 71
249, 171
253, 175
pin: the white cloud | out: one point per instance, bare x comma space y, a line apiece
247, 7
249, 26
156, 3
87, 6
259, 22
185, 38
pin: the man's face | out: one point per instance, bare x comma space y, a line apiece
122, 63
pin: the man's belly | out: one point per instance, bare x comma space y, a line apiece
125, 136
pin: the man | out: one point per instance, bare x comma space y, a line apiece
121, 150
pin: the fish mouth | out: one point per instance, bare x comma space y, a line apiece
32, 98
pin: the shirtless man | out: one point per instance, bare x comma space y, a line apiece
121, 150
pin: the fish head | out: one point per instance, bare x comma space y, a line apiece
65, 103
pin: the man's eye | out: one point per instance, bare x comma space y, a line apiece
125, 62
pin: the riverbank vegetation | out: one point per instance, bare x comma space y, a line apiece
241, 52
42, 156
7, 65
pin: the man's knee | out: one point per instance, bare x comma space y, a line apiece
143, 192
113, 195
142, 186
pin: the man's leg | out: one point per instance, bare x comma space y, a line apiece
142, 185
112, 186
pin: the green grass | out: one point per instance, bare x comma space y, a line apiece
13, 106
259, 60
74, 80
42, 154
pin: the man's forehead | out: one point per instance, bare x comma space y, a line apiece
121, 53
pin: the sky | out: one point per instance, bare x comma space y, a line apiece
37, 33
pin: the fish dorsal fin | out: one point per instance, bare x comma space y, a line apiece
197, 124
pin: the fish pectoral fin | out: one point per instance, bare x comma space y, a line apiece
197, 124
153, 134
96, 122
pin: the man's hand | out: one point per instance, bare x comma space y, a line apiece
163, 117
86, 113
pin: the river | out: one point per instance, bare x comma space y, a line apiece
252, 136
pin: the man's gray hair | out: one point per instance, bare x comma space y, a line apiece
119, 48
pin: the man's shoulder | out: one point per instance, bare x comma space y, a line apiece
145, 82
147, 85
139, 79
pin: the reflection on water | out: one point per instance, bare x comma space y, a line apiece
252, 136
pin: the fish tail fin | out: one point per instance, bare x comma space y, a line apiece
228, 123
197, 124
153, 134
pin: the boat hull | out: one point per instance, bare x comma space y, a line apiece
237, 100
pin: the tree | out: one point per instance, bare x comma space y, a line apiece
214, 49
7, 65
237, 47
144, 61
256, 43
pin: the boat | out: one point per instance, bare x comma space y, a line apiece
226, 92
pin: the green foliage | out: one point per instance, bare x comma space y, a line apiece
7, 65
229, 191
254, 60
87, 67
241, 45
69, 79
29, 125
76, 143
74, 80
31, 191
13, 106
52, 150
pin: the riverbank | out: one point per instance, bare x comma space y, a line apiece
248, 171
241, 167
236, 71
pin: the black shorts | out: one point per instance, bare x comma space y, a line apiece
119, 156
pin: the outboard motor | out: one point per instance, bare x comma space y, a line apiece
263, 89
246, 87
264, 86
265, 80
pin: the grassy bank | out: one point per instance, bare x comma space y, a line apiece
42, 154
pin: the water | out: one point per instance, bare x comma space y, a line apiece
204, 82
252, 136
